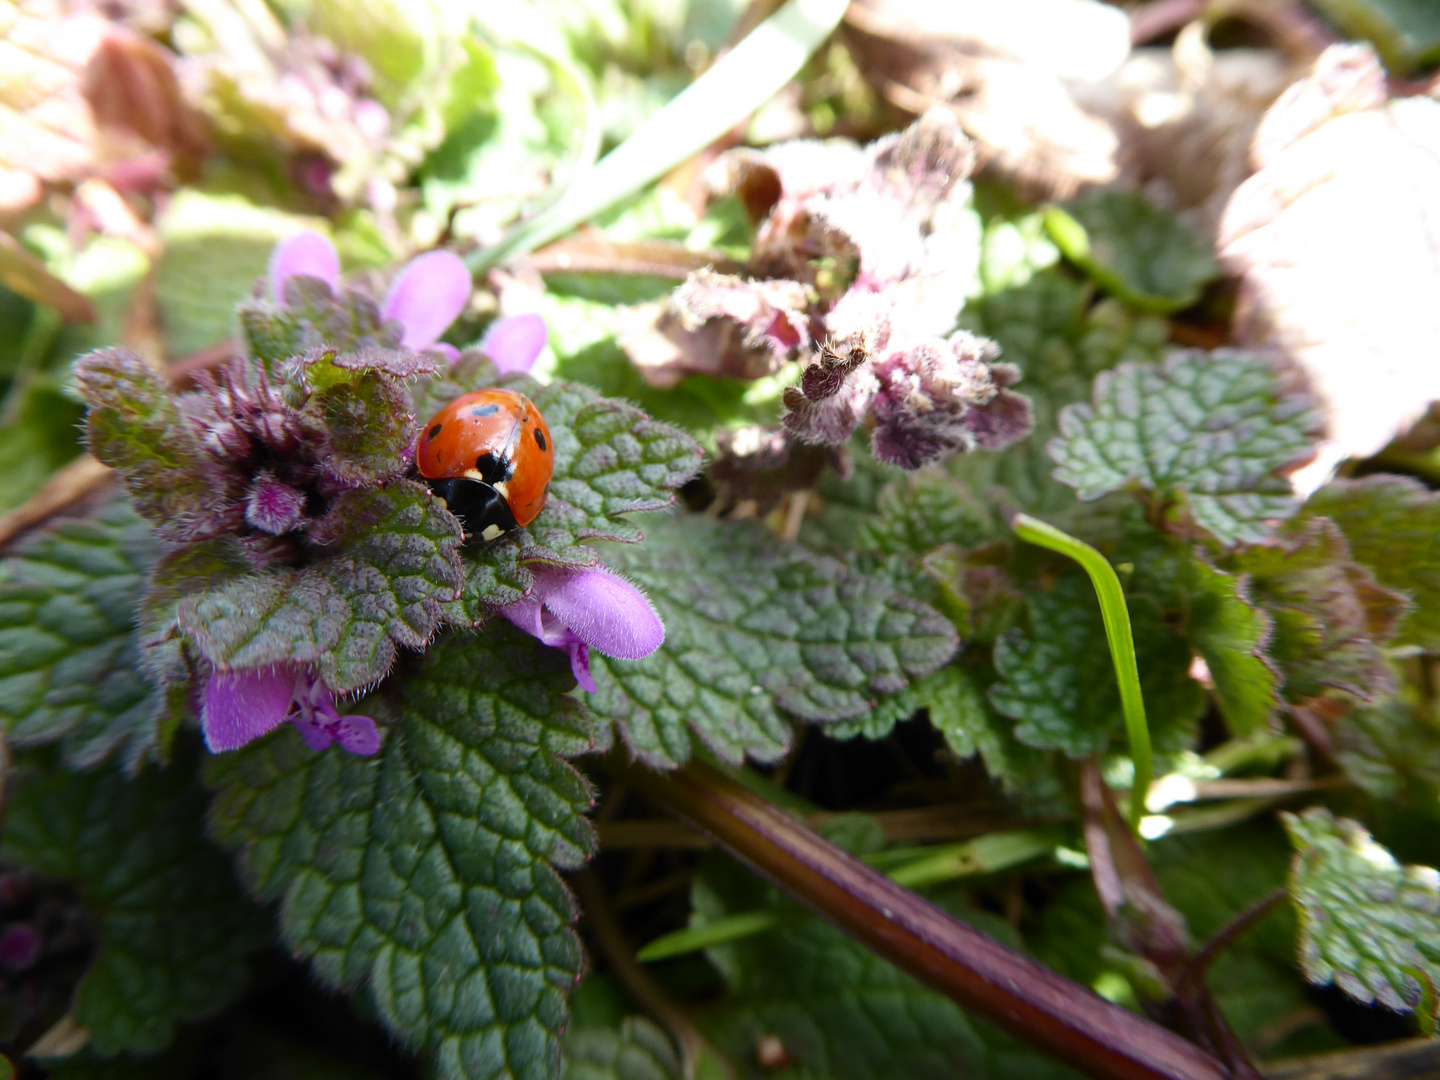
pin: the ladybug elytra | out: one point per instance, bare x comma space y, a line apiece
488, 454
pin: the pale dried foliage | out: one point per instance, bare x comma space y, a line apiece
81, 98
1007, 71
1337, 240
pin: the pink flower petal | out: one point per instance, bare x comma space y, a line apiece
527, 616
426, 296
239, 706
358, 734
306, 253
313, 732
514, 342
602, 609
580, 666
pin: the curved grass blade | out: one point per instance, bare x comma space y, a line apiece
1119, 637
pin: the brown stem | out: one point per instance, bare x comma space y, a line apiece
610, 939
67, 486
1222, 938
1052, 1013
1412, 1059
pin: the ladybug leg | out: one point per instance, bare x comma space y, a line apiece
483, 511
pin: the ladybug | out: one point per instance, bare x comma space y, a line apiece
489, 456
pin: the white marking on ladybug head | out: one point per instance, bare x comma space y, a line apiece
491, 532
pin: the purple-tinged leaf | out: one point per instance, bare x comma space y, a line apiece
136, 427
392, 562
273, 506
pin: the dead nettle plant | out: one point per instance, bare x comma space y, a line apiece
862, 261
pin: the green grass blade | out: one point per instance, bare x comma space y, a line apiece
1119, 637
910, 867
739, 83
695, 938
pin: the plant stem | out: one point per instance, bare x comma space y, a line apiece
610, 939
1122, 644
1052, 1013
738, 84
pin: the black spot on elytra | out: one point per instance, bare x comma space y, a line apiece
433, 433
492, 468
540, 439
484, 410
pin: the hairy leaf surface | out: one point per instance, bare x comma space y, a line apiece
1215, 428
394, 563
758, 631
69, 658
426, 873
173, 925
1364, 918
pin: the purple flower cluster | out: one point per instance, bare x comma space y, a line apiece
861, 264
569, 608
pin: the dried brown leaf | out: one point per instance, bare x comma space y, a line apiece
1337, 238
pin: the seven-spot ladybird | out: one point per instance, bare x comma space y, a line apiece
489, 456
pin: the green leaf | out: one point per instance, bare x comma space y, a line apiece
1226, 625
1405, 32
1144, 255
1392, 524
1051, 330
1331, 620
398, 41
1231, 634
757, 630
358, 412
954, 698
839, 1010
174, 930
1059, 682
1366, 922
394, 563
1390, 751
924, 511
425, 873
610, 460
69, 658
637, 1051
1213, 426
135, 426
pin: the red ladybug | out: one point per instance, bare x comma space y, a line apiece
489, 456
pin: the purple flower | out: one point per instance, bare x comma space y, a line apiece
425, 297
19, 947
514, 342
308, 254
243, 705
582, 609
